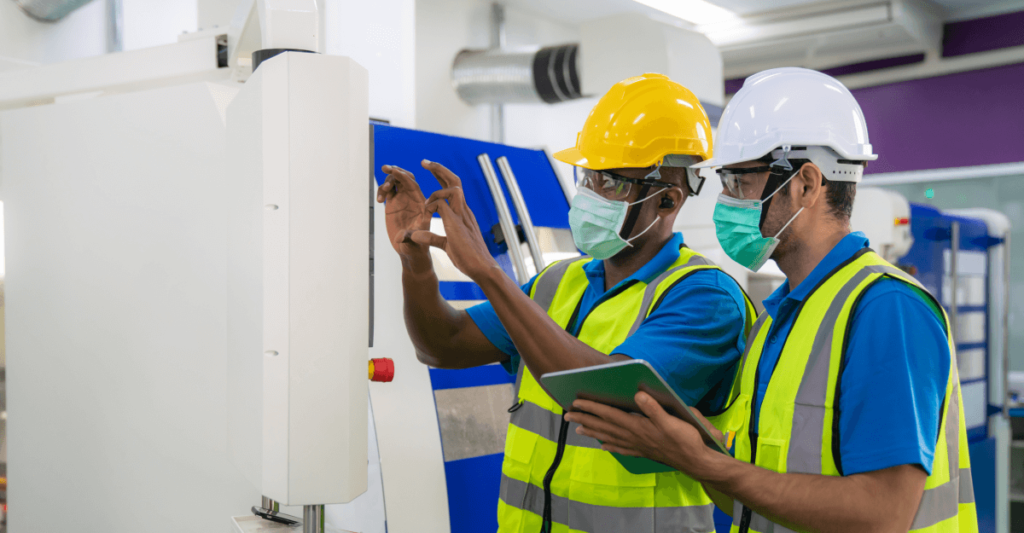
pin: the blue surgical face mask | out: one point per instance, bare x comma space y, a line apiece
596, 222
738, 227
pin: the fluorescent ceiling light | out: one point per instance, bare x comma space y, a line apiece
741, 32
695, 11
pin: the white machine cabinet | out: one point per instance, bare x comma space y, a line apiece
298, 277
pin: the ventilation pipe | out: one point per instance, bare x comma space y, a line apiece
49, 10
548, 75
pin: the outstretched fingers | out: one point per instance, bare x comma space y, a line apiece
397, 178
445, 177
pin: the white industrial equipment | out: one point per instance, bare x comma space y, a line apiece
296, 277
884, 217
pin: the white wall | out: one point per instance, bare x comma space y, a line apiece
83, 33
150, 23
381, 36
80, 34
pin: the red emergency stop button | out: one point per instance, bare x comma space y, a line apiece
382, 369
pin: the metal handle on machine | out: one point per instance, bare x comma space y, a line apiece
508, 228
524, 213
1006, 326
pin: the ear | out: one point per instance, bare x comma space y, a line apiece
807, 185
672, 199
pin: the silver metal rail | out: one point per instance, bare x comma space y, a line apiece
1006, 326
524, 213
312, 519
508, 228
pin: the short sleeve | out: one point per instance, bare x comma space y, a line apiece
486, 319
694, 338
894, 381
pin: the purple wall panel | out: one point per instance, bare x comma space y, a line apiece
980, 35
970, 118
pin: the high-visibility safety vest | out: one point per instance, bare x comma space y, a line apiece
798, 426
556, 480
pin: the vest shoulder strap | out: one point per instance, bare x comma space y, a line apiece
544, 289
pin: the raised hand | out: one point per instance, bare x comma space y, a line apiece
463, 241
404, 210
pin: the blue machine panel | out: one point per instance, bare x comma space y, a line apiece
537, 180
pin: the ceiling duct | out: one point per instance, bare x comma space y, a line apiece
549, 75
827, 34
49, 10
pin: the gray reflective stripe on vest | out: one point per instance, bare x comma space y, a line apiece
809, 410
606, 519
652, 288
539, 420
804, 455
548, 282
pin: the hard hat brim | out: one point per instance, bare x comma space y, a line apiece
574, 157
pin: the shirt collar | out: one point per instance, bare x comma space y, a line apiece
842, 251
658, 264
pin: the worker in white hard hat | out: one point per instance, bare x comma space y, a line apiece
639, 293
848, 416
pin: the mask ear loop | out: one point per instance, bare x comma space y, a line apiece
634, 212
775, 182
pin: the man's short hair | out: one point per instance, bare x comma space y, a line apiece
840, 196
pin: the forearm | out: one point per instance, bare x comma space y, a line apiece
437, 329
542, 344
806, 502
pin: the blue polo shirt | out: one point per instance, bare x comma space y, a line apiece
895, 373
694, 338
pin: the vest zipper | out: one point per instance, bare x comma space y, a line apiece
563, 434
563, 429
515, 407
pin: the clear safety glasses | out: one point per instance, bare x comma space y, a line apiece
743, 183
609, 184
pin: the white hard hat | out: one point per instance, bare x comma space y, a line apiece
811, 114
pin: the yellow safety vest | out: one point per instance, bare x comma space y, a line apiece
548, 466
799, 424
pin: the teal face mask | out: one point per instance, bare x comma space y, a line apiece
596, 222
737, 225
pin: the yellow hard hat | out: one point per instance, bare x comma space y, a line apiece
637, 123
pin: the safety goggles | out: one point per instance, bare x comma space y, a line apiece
611, 185
743, 183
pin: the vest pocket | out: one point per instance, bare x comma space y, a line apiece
520, 446
771, 454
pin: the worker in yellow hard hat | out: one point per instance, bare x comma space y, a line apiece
639, 293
